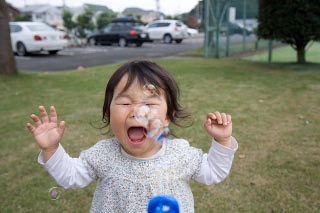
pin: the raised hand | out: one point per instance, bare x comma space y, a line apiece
219, 126
46, 132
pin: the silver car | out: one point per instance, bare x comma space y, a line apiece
28, 37
167, 30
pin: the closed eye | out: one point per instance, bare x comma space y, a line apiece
123, 104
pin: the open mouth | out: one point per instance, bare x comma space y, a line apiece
137, 135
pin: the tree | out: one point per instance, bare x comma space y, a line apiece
84, 21
67, 19
103, 19
25, 17
295, 22
7, 61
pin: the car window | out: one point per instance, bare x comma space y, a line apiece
40, 27
163, 24
106, 29
15, 28
115, 28
152, 25
178, 24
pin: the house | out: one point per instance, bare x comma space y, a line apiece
146, 16
44, 13
13, 12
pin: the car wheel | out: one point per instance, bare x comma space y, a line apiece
122, 42
53, 52
139, 44
21, 49
167, 39
178, 41
92, 42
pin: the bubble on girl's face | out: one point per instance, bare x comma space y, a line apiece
148, 117
155, 128
141, 114
149, 90
164, 135
153, 113
55, 193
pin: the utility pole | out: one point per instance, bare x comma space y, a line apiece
158, 8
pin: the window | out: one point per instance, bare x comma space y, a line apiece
152, 25
106, 29
115, 28
15, 28
163, 24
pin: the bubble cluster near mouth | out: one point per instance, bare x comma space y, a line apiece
148, 116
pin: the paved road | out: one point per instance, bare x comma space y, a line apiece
71, 58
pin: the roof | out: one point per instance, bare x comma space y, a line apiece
37, 8
125, 19
96, 8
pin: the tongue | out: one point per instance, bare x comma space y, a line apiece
136, 133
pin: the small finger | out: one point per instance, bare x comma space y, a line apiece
62, 127
218, 116
36, 119
53, 115
44, 114
211, 116
229, 119
224, 118
30, 127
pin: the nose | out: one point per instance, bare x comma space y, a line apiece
132, 111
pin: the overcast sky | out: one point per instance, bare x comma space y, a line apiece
169, 7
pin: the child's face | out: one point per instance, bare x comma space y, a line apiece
128, 130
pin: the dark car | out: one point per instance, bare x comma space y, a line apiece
120, 33
233, 29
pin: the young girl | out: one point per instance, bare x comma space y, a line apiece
141, 100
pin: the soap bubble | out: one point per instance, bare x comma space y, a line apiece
148, 117
141, 114
164, 135
55, 193
149, 90
155, 127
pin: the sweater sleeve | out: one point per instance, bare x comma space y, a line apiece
66, 171
216, 165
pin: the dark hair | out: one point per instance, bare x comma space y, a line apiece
147, 72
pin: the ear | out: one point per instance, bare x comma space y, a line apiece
166, 122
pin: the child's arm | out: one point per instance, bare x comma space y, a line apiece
216, 165
46, 132
68, 172
219, 127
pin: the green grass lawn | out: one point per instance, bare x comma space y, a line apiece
288, 54
276, 119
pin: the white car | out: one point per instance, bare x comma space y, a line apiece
167, 30
28, 37
193, 32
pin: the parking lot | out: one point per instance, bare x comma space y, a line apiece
88, 56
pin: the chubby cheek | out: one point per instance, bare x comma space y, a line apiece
117, 122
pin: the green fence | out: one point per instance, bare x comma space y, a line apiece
229, 28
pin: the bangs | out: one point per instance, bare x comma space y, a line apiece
144, 75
